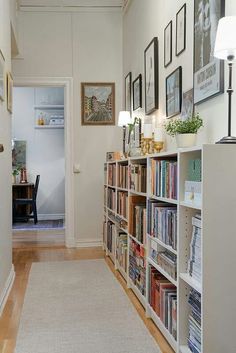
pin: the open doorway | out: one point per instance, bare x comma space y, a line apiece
38, 149
50, 134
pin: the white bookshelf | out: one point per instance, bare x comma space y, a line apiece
218, 243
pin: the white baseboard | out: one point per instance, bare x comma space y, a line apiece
6, 290
41, 236
88, 243
50, 217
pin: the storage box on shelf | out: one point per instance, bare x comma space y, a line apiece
185, 226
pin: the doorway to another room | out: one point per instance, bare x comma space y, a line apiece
38, 149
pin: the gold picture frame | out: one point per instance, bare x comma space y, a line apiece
9, 92
98, 103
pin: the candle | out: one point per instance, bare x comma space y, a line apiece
158, 134
147, 131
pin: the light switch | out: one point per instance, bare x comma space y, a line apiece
76, 168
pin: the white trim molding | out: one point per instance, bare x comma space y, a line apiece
6, 290
50, 217
67, 83
89, 243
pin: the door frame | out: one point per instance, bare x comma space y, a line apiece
67, 83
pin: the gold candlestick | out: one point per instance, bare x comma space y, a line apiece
158, 146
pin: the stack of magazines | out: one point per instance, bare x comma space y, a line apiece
194, 340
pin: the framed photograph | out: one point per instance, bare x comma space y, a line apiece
128, 94
168, 44
208, 71
9, 92
137, 92
151, 76
174, 93
97, 103
2, 77
187, 108
180, 44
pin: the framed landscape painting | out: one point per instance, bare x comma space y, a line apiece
97, 103
208, 70
174, 93
151, 88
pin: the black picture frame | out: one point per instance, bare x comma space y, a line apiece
180, 43
137, 92
168, 44
128, 92
208, 71
174, 93
151, 87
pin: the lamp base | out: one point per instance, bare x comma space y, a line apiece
227, 139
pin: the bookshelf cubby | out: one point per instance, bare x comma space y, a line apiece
159, 231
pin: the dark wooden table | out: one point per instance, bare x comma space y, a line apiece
22, 191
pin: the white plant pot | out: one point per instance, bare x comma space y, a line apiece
186, 140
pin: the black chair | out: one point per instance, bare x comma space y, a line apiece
31, 202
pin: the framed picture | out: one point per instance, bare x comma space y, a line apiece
128, 87
137, 92
180, 44
208, 71
168, 44
151, 76
174, 93
2, 77
97, 103
9, 92
187, 105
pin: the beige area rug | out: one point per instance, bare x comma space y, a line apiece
79, 307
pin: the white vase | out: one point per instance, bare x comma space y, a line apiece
186, 140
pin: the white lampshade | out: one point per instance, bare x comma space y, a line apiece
124, 118
225, 44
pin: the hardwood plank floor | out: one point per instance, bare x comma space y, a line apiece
23, 256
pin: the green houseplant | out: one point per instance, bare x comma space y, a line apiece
15, 172
185, 131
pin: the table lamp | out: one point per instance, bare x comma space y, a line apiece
123, 120
225, 49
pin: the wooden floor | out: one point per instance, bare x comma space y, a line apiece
23, 256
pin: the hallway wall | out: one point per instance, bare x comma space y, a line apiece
85, 45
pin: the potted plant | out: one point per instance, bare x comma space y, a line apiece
15, 172
185, 131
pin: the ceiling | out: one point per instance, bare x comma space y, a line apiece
71, 3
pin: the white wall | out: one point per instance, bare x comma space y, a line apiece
87, 46
5, 157
44, 155
154, 17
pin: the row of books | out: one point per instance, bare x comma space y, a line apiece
138, 177
165, 259
164, 178
111, 199
105, 173
194, 338
122, 181
122, 249
162, 222
122, 203
137, 217
111, 229
137, 266
111, 174
194, 263
163, 299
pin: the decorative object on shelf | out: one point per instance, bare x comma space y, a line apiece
158, 142
151, 76
113, 156
128, 92
23, 176
9, 92
97, 103
187, 104
123, 121
180, 44
134, 138
2, 77
174, 93
137, 92
168, 44
208, 71
146, 145
41, 120
193, 193
185, 131
225, 48
15, 173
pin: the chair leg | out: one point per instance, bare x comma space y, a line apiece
35, 213
14, 212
